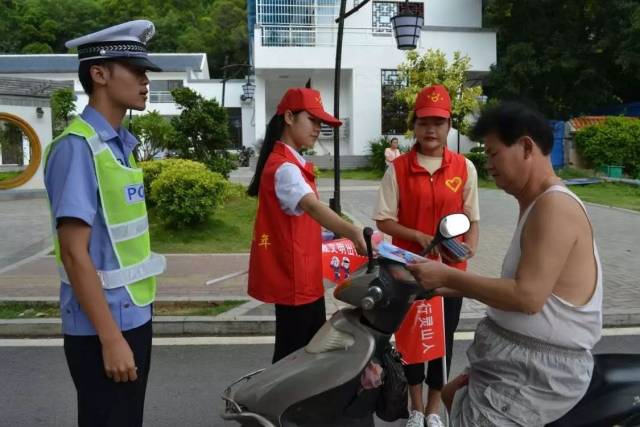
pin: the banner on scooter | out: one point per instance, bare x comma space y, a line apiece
421, 335
340, 260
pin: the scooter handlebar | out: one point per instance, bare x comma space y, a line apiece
367, 233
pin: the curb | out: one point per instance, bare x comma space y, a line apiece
239, 326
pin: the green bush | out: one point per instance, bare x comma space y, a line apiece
479, 160
150, 171
153, 168
614, 142
376, 148
223, 163
187, 193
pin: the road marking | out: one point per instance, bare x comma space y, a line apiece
169, 341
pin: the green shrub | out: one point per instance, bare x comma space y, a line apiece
150, 171
153, 168
479, 160
614, 142
376, 148
235, 191
186, 193
223, 163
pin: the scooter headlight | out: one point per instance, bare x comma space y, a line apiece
329, 338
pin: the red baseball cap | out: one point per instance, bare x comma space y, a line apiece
433, 101
300, 98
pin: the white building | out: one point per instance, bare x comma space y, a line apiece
25, 126
178, 70
295, 40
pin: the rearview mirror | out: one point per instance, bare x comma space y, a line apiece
450, 226
454, 225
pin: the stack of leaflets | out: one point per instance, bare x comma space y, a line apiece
387, 250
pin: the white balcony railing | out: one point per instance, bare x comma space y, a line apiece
296, 12
307, 36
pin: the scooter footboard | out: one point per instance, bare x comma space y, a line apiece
234, 412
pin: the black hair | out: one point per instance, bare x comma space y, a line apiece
84, 73
272, 135
512, 120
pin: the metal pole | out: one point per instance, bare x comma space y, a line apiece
335, 202
224, 83
445, 376
224, 76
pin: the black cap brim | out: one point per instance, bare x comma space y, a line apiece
140, 62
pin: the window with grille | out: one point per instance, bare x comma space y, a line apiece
394, 111
160, 90
383, 11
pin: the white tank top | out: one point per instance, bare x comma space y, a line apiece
559, 322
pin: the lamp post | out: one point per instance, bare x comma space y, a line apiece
248, 90
234, 67
407, 32
407, 26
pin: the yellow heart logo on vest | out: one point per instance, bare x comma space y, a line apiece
454, 183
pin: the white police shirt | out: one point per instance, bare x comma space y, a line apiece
290, 185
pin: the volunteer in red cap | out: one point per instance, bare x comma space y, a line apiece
285, 263
418, 189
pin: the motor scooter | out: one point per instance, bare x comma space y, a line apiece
320, 384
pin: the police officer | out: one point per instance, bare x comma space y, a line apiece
101, 231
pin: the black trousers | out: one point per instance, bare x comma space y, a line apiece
415, 372
296, 325
101, 401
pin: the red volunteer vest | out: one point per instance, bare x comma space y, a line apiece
423, 200
285, 266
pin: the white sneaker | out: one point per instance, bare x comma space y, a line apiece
433, 420
416, 419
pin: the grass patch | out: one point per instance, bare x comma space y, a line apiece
569, 173
228, 230
485, 183
195, 308
8, 175
31, 310
610, 194
605, 193
27, 310
360, 173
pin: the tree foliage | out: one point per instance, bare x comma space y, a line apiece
567, 56
202, 131
614, 142
154, 132
434, 68
215, 27
63, 104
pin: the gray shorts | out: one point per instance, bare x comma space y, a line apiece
515, 380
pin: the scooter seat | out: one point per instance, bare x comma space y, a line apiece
611, 396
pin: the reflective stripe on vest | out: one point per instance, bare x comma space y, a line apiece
112, 279
121, 191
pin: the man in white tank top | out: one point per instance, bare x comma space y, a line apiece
530, 361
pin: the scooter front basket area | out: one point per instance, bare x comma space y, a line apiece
234, 412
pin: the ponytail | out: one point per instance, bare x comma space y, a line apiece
273, 134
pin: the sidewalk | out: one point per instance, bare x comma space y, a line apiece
616, 234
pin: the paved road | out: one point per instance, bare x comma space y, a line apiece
184, 388
25, 229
